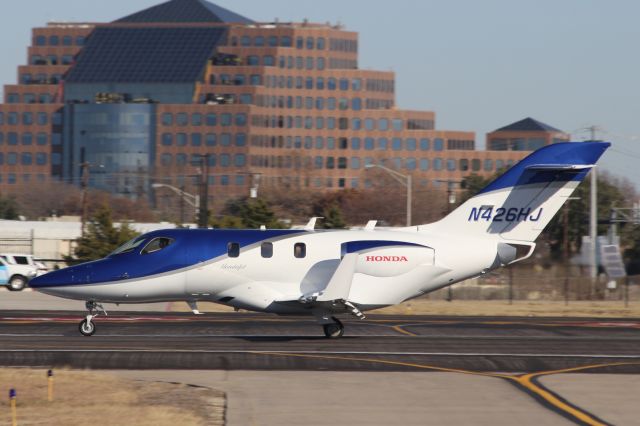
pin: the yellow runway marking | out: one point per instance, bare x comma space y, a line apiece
400, 329
524, 381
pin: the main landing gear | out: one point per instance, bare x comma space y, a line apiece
333, 330
86, 326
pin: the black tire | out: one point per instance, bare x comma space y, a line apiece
87, 328
17, 283
334, 330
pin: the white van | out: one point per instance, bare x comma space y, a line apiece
21, 268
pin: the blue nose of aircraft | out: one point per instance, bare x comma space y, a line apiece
60, 278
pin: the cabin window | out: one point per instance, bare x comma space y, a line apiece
156, 244
300, 250
233, 249
266, 250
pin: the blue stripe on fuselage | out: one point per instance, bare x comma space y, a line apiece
357, 246
190, 247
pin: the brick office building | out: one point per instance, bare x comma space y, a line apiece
142, 99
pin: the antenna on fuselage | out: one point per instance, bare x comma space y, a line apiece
311, 225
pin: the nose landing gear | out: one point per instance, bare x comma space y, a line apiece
86, 326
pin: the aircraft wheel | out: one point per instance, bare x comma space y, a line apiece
87, 328
335, 330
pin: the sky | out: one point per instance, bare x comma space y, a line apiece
479, 65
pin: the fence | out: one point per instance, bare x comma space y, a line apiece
554, 284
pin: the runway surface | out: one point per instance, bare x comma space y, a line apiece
241, 341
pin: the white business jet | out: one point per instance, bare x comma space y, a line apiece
330, 273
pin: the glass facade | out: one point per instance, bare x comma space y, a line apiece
116, 140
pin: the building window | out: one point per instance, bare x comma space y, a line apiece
397, 144
268, 61
181, 139
410, 163
165, 159
12, 138
331, 83
300, 250
320, 83
181, 159
424, 164
41, 158
41, 40
196, 119
368, 144
225, 139
463, 164
210, 139
369, 124
67, 40
225, 120
438, 144
241, 119
27, 139
27, 118
239, 160
41, 138
80, 40
424, 145
355, 163
451, 165
437, 164
285, 41
26, 159
356, 104
12, 158
167, 139
43, 118
253, 60
196, 139
167, 119
241, 139
54, 40
535, 143
182, 119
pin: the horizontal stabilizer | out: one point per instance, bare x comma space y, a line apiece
559, 167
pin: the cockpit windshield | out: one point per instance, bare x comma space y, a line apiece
156, 244
128, 246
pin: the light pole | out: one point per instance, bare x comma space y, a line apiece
404, 180
192, 200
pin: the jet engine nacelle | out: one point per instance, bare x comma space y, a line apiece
394, 261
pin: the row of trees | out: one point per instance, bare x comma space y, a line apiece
279, 208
